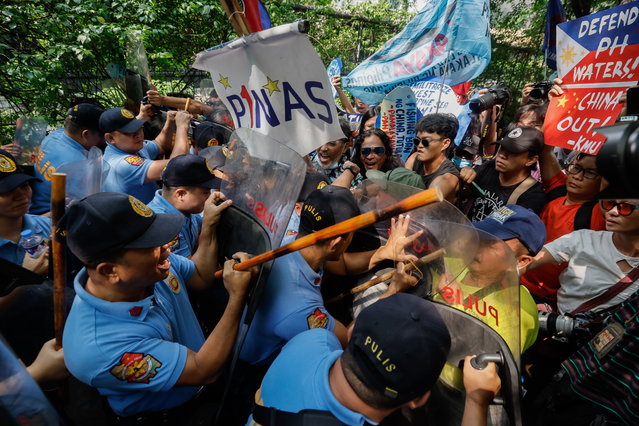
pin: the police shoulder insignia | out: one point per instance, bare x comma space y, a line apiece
7, 165
317, 319
139, 207
134, 160
136, 367
126, 113
173, 282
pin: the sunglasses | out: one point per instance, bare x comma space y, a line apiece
574, 169
425, 141
378, 150
624, 209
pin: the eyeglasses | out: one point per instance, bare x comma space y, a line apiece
574, 169
378, 150
425, 141
624, 209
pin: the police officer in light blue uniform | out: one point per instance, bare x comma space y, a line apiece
186, 185
80, 134
131, 332
133, 169
292, 302
15, 197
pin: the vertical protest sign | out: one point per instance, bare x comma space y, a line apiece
597, 59
274, 82
445, 39
397, 117
334, 69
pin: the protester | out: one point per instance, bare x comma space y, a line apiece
506, 179
80, 134
571, 205
375, 375
132, 160
329, 158
186, 185
131, 332
15, 198
435, 137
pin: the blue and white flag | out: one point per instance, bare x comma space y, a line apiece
448, 38
274, 82
334, 69
555, 15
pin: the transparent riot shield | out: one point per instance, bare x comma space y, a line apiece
264, 178
137, 75
84, 177
30, 131
21, 400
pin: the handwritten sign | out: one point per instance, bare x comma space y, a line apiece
397, 118
597, 59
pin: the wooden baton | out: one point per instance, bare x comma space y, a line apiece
353, 224
388, 275
58, 193
187, 104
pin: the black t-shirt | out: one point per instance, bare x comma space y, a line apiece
447, 166
497, 195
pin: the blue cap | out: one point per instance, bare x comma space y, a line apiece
514, 221
119, 120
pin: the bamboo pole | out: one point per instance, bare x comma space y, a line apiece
353, 224
58, 193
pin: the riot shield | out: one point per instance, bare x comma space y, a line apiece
30, 131
137, 75
21, 400
264, 178
84, 177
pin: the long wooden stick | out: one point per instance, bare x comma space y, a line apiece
233, 17
187, 104
353, 224
388, 275
58, 192
241, 17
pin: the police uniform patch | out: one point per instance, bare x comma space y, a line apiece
173, 282
6, 164
321, 185
126, 113
317, 319
134, 160
139, 207
212, 142
136, 368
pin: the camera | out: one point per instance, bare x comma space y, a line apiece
563, 327
618, 160
540, 91
499, 94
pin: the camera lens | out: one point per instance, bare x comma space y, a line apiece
618, 159
483, 103
536, 94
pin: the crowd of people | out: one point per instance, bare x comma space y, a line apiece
145, 348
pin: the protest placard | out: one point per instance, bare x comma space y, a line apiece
397, 118
334, 69
274, 82
597, 59
435, 97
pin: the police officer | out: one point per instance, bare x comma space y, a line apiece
397, 349
72, 143
132, 160
131, 332
186, 185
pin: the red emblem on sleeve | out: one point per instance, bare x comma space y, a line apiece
134, 160
136, 368
317, 319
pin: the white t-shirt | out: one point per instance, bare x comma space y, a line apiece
592, 268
